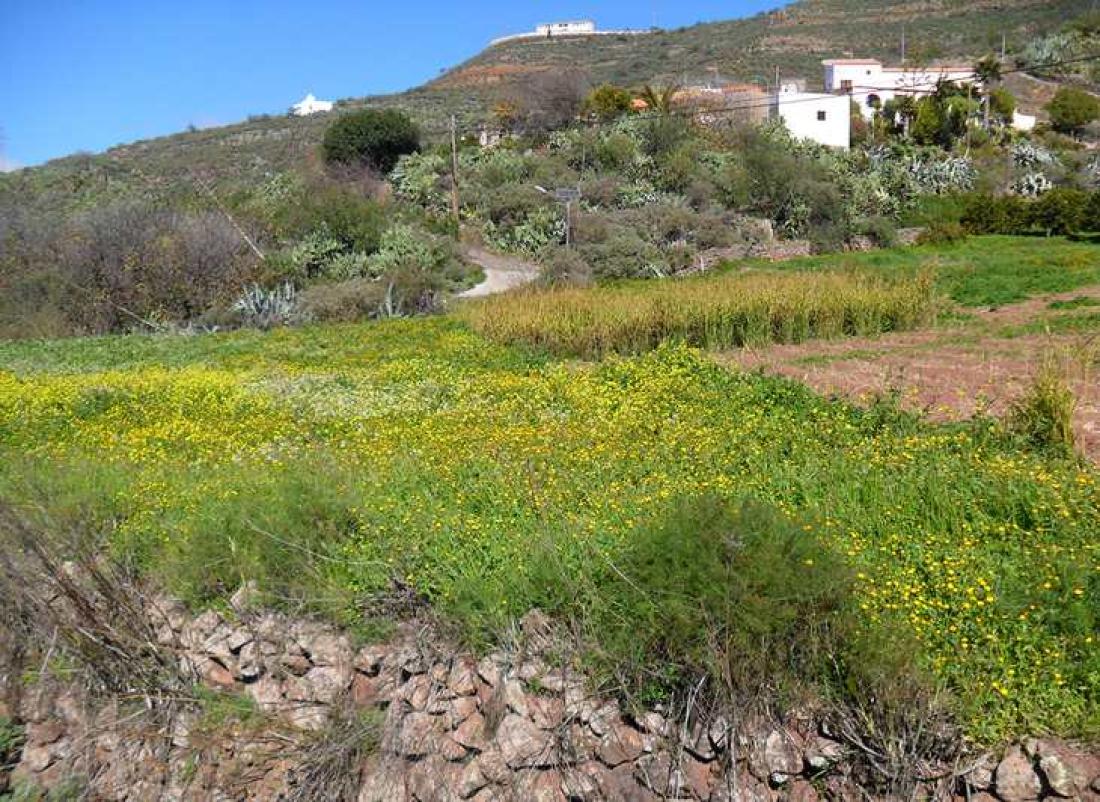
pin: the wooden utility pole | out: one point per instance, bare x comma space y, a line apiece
903, 44
454, 168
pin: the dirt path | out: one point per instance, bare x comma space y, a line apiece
981, 365
502, 273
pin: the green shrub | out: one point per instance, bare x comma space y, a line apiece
1061, 211
1044, 414
942, 233
607, 101
1071, 109
881, 230
11, 741
990, 214
344, 301
372, 137
734, 592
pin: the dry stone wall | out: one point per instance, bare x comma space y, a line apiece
507, 726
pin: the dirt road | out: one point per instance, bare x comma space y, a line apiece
502, 273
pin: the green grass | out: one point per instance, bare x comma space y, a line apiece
985, 271
328, 462
1079, 302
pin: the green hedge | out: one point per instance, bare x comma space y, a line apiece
1060, 211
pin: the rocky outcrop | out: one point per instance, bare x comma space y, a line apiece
507, 726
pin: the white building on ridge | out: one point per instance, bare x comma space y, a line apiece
870, 84
584, 27
310, 105
553, 30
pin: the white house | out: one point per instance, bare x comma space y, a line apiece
823, 118
310, 105
551, 30
870, 84
1023, 122
584, 27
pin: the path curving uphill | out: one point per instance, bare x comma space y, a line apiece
502, 273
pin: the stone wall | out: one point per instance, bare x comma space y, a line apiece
507, 726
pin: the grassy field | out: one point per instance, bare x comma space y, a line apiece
330, 462
758, 303
981, 271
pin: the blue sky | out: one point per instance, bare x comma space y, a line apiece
89, 74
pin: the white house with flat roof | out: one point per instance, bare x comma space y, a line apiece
870, 84
310, 105
582, 27
554, 30
823, 118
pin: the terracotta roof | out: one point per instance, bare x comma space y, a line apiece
836, 62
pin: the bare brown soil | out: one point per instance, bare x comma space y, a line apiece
950, 373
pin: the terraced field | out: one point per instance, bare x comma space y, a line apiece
333, 464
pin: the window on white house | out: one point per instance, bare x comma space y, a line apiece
821, 116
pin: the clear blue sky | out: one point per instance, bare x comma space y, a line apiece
89, 74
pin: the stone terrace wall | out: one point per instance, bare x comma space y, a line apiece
503, 727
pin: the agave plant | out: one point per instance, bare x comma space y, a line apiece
265, 308
1032, 185
1027, 156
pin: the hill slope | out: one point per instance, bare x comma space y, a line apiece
795, 39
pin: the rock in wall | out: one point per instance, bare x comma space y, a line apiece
451, 726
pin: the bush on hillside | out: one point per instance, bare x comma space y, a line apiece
942, 233
376, 138
1071, 109
607, 101
733, 597
1061, 211
118, 267
991, 214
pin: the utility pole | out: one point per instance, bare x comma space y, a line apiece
777, 79
903, 43
1004, 46
454, 168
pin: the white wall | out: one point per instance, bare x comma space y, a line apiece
565, 28
803, 111
870, 80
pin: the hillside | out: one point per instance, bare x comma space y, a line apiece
795, 39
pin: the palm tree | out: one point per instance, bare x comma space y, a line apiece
988, 71
660, 99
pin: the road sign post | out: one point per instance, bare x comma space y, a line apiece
568, 196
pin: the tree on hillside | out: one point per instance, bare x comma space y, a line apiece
376, 138
1002, 105
988, 70
1072, 109
607, 102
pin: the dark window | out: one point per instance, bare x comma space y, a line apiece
846, 86
821, 116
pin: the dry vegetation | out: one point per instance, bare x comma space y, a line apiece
714, 312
